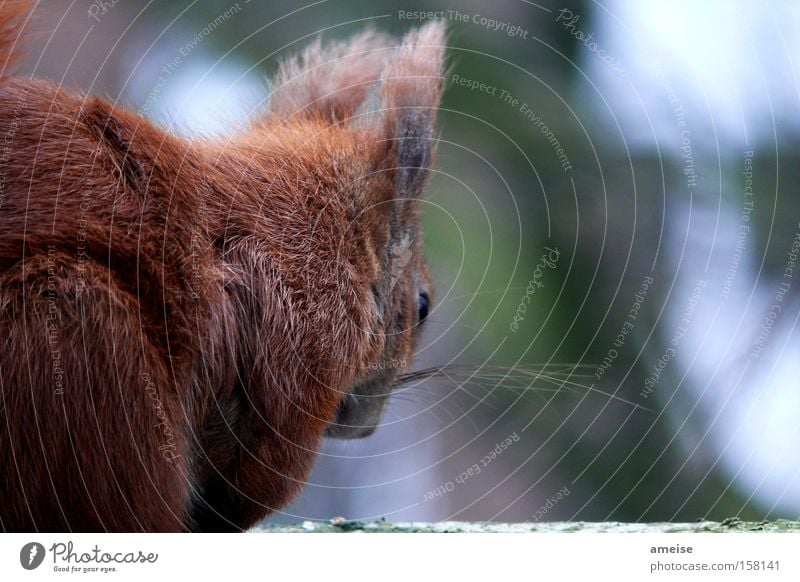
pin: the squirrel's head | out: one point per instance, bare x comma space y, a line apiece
376, 99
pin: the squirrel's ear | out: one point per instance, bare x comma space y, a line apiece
400, 109
386, 91
399, 119
329, 81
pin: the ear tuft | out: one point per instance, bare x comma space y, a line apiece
413, 76
330, 80
388, 92
368, 74
411, 90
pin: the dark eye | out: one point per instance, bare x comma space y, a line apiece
424, 303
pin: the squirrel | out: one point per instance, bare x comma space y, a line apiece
183, 320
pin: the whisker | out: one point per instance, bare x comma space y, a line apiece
555, 367
485, 292
463, 388
430, 411
562, 375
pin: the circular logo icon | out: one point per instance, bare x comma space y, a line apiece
31, 555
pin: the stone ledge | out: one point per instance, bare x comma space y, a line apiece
341, 525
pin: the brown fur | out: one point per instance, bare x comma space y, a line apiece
181, 321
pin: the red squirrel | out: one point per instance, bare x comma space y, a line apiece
183, 320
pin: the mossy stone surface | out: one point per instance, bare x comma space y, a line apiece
340, 525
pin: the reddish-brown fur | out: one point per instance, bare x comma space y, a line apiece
180, 320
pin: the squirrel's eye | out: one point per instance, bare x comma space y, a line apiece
424, 303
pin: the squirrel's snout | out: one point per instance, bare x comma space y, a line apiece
360, 411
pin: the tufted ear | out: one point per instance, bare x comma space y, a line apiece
401, 107
329, 81
398, 118
336, 80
